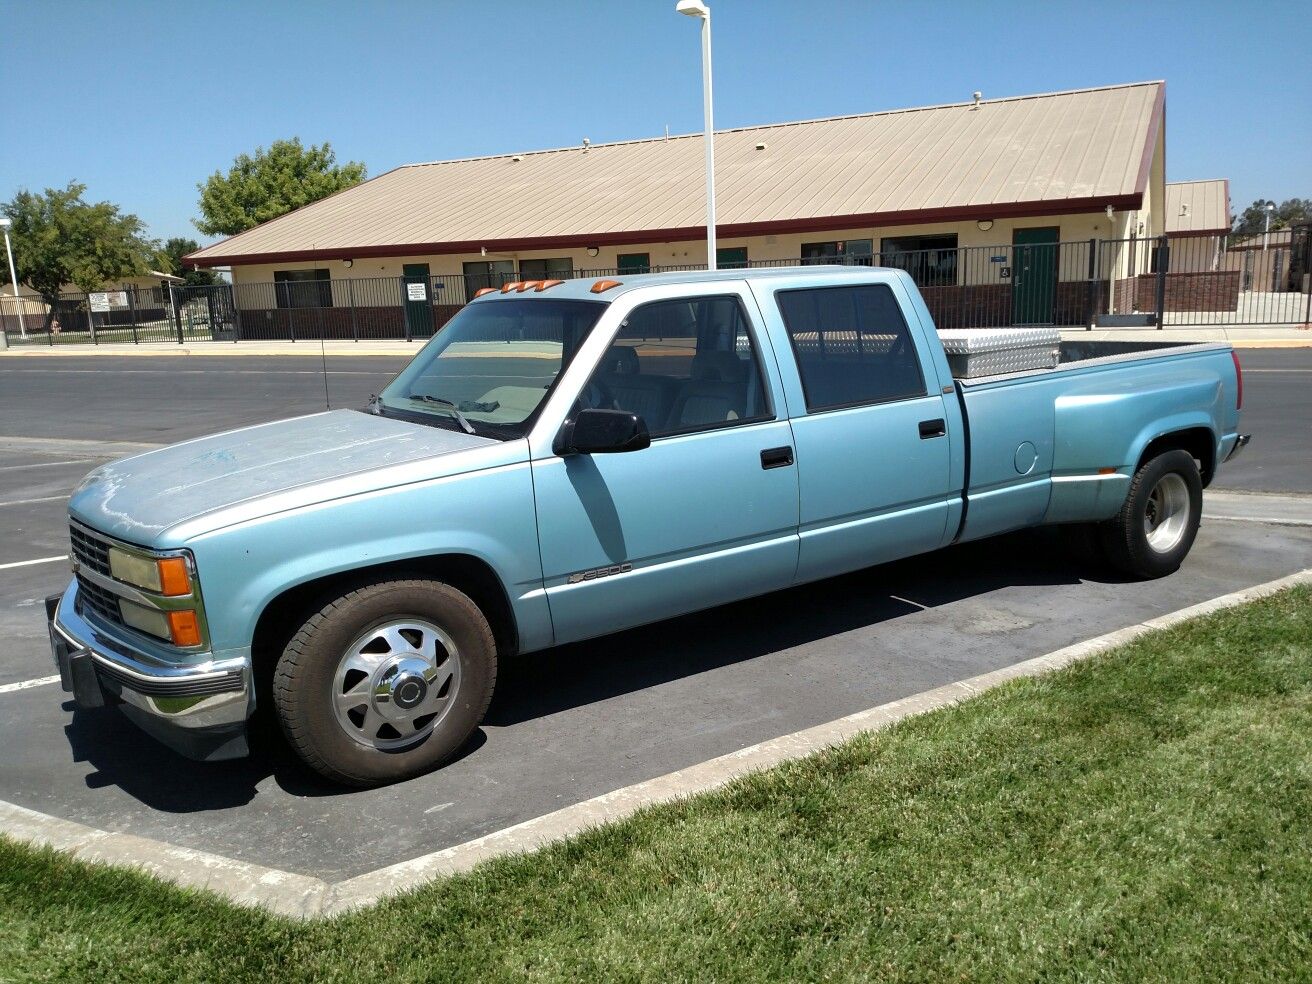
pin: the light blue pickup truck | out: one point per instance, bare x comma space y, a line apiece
567, 459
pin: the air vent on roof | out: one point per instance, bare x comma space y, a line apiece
977, 96
760, 146
517, 158
586, 144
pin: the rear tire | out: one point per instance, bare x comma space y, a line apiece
1155, 528
386, 682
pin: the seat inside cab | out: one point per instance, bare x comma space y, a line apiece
684, 365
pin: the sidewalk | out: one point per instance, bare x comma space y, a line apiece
1254, 336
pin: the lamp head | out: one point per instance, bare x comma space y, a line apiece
5, 222
693, 8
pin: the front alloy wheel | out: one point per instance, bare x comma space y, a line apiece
395, 682
386, 681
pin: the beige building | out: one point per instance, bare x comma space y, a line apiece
915, 187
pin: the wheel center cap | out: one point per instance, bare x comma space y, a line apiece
408, 690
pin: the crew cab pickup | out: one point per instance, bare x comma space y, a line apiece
568, 459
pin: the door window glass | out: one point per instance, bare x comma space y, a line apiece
852, 346
683, 365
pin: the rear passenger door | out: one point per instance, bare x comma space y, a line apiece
872, 444
708, 513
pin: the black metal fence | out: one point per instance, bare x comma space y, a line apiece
1206, 280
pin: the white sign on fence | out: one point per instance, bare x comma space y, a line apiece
107, 300
415, 292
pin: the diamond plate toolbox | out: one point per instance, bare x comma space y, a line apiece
990, 351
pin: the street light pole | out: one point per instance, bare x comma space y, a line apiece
697, 8
1266, 229
5, 223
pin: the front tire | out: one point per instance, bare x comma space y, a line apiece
386, 682
1155, 529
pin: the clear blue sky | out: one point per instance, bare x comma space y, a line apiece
141, 100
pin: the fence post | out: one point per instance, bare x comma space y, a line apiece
132, 308
91, 321
1091, 298
350, 300
1163, 258
236, 313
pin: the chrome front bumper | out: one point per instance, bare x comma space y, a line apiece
199, 709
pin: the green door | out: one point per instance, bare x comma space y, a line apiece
416, 294
1034, 275
731, 257
633, 263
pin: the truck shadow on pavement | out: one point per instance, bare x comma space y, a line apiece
577, 675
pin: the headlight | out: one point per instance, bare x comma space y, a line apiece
163, 575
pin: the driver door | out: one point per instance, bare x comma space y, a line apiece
708, 513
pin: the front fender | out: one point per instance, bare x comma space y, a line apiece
488, 515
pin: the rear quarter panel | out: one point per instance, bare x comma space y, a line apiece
1099, 415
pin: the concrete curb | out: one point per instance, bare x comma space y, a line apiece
300, 896
247, 350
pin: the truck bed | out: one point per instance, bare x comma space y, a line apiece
1060, 445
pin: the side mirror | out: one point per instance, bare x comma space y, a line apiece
602, 432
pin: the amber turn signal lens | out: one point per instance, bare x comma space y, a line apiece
184, 629
173, 576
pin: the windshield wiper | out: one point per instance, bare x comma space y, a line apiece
461, 419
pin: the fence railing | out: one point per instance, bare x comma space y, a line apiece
1097, 282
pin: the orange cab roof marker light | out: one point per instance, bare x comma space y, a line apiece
527, 285
601, 286
507, 287
549, 283
484, 290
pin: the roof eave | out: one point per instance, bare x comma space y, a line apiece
829, 223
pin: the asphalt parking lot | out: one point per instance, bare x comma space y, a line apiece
573, 722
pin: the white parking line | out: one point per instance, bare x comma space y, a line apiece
29, 563
28, 502
45, 464
9, 688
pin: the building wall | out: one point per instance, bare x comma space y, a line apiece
1072, 228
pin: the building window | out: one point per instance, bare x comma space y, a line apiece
487, 273
303, 288
731, 257
854, 252
633, 263
931, 260
852, 346
551, 268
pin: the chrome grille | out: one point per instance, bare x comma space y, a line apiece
92, 597
89, 550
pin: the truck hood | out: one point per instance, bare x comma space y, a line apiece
138, 498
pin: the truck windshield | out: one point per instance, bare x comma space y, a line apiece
493, 365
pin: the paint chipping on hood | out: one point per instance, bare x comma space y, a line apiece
137, 498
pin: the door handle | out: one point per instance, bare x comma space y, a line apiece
932, 428
777, 457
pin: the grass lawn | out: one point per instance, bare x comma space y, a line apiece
1146, 815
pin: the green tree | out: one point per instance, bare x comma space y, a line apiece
1253, 219
170, 261
60, 239
271, 183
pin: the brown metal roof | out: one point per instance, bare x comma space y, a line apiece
1028, 155
1197, 208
